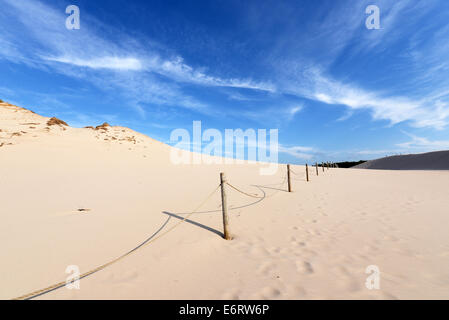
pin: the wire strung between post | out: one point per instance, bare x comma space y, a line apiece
245, 193
103, 266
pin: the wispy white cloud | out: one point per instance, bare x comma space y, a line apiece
292, 111
174, 69
422, 69
346, 116
239, 97
417, 144
376, 152
278, 115
114, 63
145, 75
422, 112
391, 14
299, 152
178, 70
424, 144
135, 69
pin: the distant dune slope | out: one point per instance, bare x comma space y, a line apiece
438, 160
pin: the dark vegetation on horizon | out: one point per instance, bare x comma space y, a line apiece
349, 164
345, 164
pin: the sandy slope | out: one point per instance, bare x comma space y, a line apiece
313, 243
437, 160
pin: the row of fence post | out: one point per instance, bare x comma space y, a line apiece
224, 205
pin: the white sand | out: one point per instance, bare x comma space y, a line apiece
313, 243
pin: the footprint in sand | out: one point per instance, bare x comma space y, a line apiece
259, 251
266, 269
370, 248
341, 271
267, 293
233, 294
349, 284
274, 250
294, 242
304, 267
314, 232
299, 291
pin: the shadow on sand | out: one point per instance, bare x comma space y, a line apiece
171, 215
194, 223
85, 276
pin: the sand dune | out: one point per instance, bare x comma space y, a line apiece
313, 243
438, 160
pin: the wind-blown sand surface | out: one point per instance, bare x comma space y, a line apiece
313, 243
437, 160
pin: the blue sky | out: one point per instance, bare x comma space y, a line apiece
334, 89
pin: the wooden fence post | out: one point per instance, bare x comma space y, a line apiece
316, 167
322, 165
307, 172
224, 207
